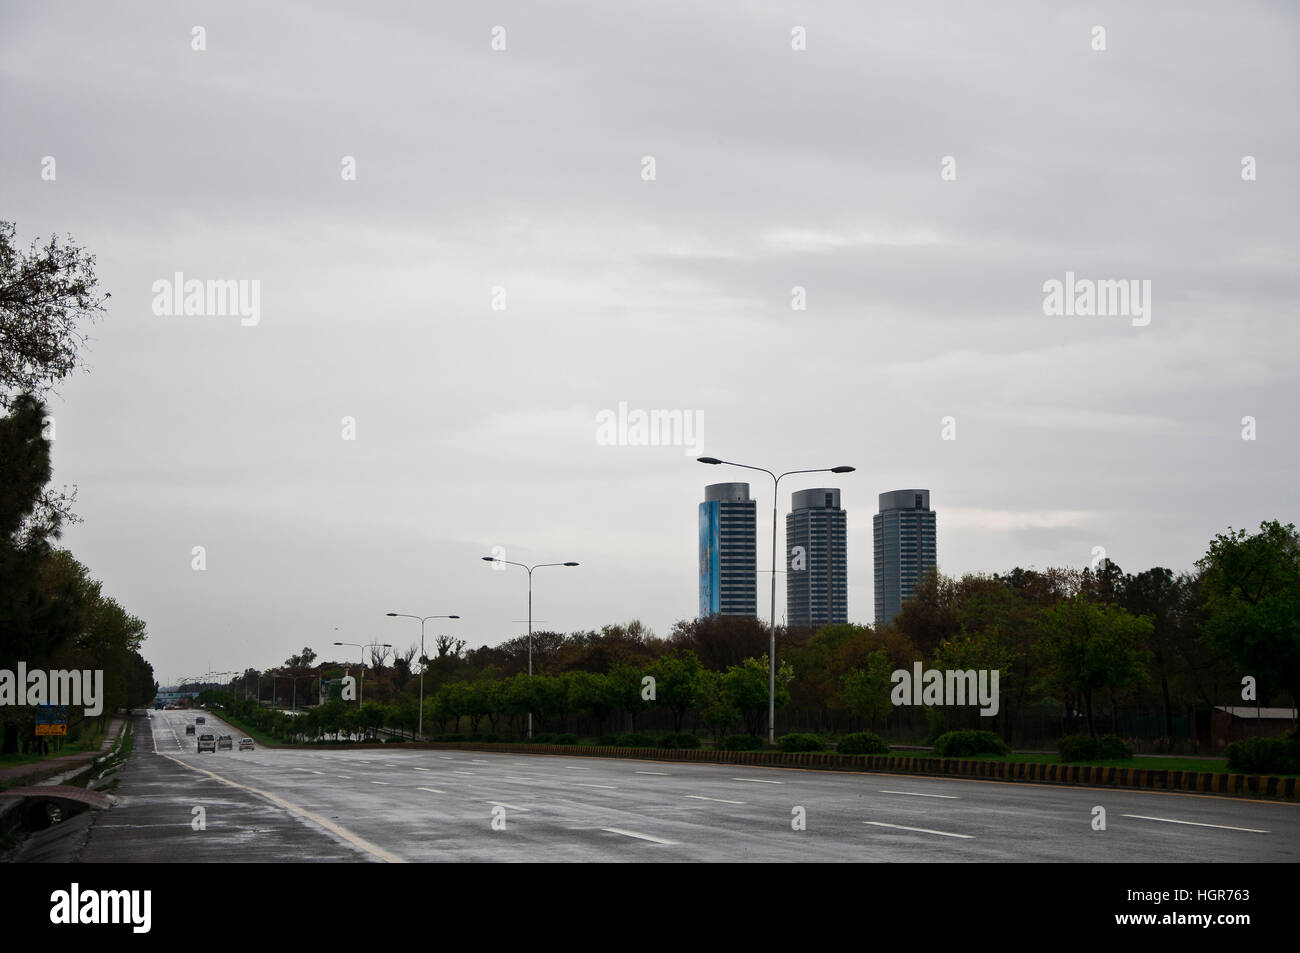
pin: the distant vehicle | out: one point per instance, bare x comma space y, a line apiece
245, 744
200, 720
224, 743
207, 743
189, 729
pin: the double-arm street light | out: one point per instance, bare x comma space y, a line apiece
771, 655
361, 692
494, 559
423, 619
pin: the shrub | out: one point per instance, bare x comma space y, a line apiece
450, 738
679, 739
636, 740
1084, 748
861, 742
963, 744
608, 741
1264, 756
542, 738
394, 740
742, 743
568, 738
800, 742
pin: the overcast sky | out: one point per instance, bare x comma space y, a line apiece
524, 169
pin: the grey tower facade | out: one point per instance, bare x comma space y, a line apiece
728, 551
816, 538
904, 531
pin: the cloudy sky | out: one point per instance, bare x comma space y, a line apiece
919, 170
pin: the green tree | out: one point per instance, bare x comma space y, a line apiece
675, 676
747, 687
866, 691
1251, 590
1089, 648
710, 699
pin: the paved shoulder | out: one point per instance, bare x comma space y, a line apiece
169, 812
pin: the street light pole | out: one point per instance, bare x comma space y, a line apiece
494, 559
361, 692
771, 656
419, 731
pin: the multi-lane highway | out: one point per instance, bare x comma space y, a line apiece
400, 804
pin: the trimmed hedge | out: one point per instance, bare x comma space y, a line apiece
800, 742
679, 739
1085, 748
634, 739
963, 744
742, 743
1264, 756
861, 742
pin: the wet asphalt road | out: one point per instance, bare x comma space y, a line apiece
392, 804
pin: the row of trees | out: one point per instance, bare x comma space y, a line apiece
1072, 647
53, 613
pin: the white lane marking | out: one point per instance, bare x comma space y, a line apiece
660, 774
609, 787
308, 770
318, 772
472, 761
448, 759
472, 774
577, 767
386, 765
521, 780
423, 769
1170, 820
358, 842
378, 782
950, 797
345, 777
919, 830
758, 781
656, 840
720, 800
511, 806
364, 761
431, 790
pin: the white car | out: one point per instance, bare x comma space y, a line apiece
245, 744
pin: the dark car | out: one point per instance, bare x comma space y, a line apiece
189, 729
225, 743
200, 720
